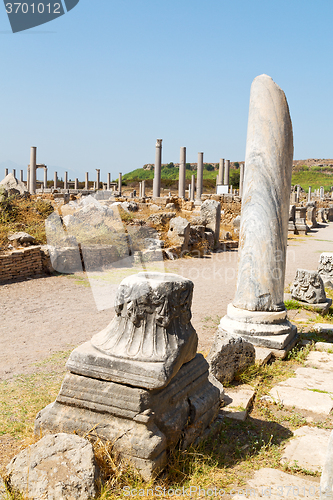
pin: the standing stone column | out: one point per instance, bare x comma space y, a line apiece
28, 178
221, 171
6, 172
76, 183
14, 173
241, 179
192, 187
226, 172
143, 189
21, 175
120, 182
157, 169
309, 194
45, 178
98, 177
33, 154
108, 182
199, 177
66, 180
298, 193
321, 192
55, 180
182, 173
258, 313
86, 183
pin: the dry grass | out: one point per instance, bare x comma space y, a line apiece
225, 460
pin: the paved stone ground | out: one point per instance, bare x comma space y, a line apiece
42, 316
311, 390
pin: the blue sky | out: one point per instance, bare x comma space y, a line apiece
96, 87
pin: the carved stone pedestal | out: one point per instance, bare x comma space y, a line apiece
139, 383
300, 220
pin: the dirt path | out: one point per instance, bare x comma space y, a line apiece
42, 316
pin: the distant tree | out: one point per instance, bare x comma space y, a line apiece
169, 165
234, 178
209, 167
188, 166
236, 164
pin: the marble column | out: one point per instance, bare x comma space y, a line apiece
66, 180
33, 155
258, 312
199, 177
86, 183
143, 189
157, 169
192, 187
55, 180
221, 171
309, 194
76, 183
226, 172
241, 179
14, 173
21, 175
108, 182
182, 173
45, 178
6, 172
98, 177
298, 193
120, 182
322, 193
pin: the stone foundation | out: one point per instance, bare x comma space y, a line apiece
21, 263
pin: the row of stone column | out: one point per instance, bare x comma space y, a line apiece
223, 177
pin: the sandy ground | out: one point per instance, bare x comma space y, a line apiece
39, 317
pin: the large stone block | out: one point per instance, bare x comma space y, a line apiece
325, 268
210, 211
228, 356
308, 287
179, 232
57, 466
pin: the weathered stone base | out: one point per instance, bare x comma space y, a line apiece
143, 424
263, 329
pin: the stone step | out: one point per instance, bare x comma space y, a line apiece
275, 484
307, 449
237, 401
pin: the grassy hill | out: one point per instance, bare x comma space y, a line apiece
305, 175
314, 176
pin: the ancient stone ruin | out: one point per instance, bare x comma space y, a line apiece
139, 383
308, 289
258, 313
325, 268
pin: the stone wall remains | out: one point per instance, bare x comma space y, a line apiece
21, 264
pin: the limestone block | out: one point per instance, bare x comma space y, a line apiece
274, 484
130, 206
307, 449
291, 222
9, 182
322, 216
57, 466
161, 219
141, 423
325, 268
237, 402
179, 232
229, 356
308, 287
150, 337
300, 220
21, 238
210, 210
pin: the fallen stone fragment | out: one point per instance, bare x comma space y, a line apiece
323, 328
263, 355
228, 356
237, 402
21, 238
308, 449
58, 466
303, 399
